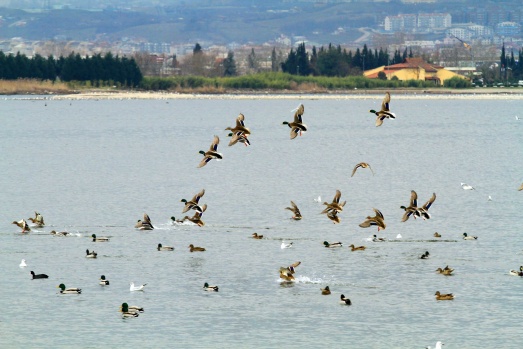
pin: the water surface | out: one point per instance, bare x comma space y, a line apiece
95, 166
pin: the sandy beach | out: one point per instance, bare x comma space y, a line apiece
479, 93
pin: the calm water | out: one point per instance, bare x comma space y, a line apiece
97, 166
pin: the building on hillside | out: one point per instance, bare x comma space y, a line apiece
508, 29
413, 69
413, 22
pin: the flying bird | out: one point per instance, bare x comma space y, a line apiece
38, 220
23, 225
212, 153
287, 273
385, 112
378, 220
294, 209
335, 205
412, 208
144, 224
297, 126
240, 126
362, 165
197, 217
424, 210
238, 136
193, 203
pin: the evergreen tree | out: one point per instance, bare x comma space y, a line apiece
313, 61
251, 60
357, 61
229, 65
2, 65
197, 49
397, 57
290, 64
332, 62
302, 60
274, 60
503, 62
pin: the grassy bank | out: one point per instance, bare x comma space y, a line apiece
279, 82
29, 86
274, 82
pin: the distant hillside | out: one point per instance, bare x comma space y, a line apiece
217, 21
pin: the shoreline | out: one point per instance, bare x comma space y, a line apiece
477, 93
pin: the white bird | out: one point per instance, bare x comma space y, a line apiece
286, 245
318, 199
517, 117
489, 198
438, 345
398, 236
465, 186
22, 264
136, 288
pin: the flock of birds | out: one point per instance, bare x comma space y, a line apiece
240, 134
143, 224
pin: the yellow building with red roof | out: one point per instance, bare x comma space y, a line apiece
414, 69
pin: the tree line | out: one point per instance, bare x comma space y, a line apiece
97, 69
335, 61
511, 68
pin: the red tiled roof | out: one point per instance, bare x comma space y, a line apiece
413, 63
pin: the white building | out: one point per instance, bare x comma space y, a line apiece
410, 22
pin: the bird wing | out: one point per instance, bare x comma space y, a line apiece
379, 121
378, 213
406, 216
295, 264
146, 218
299, 112
355, 168
294, 132
385, 103
214, 144
427, 205
204, 161
235, 138
294, 206
240, 120
366, 223
413, 199
337, 197
370, 168
196, 198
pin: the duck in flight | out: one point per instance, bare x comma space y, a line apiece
212, 153
385, 112
297, 126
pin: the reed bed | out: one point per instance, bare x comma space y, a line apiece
30, 86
